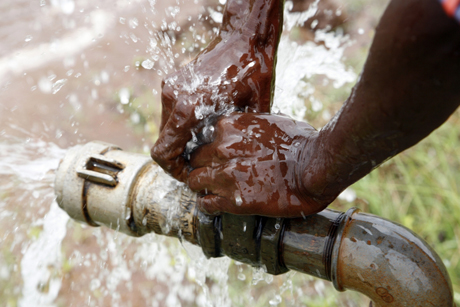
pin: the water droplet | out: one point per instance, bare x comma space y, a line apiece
144, 221
58, 134
126, 68
45, 85
94, 94
28, 38
133, 23
66, 6
241, 276
94, 284
58, 85
148, 64
277, 226
122, 20
133, 38
124, 95
238, 200
128, 213
360, 31
314, 23
135, 118
275, 301
105, 77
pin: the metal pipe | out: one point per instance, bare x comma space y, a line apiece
99, 184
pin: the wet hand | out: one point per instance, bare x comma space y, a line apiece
233, 73
255, 165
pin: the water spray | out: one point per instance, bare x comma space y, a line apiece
100, 185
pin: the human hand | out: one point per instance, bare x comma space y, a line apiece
235, 72
256, 165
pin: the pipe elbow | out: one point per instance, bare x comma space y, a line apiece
388, 263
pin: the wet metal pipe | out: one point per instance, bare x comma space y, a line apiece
99, 184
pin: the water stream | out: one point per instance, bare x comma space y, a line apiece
55, 90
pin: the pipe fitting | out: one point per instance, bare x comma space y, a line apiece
99, 184
388, 263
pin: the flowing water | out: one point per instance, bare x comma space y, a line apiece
75, 71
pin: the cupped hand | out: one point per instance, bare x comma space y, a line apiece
235, 72
255, 165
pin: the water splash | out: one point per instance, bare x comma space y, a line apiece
30, 161
299, 63
41, 258
26, 183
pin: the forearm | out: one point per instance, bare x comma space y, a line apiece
261, 18
409, 86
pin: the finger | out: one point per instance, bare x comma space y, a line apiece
208, 180
168, 149
170, 161
168, 101
231, 143
222, 180
261, 103
204, 156
214, 205
260, 87
209, 155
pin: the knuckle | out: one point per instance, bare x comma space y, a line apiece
207, 205
182, 108
167, 91
224, 123
157, 155
221, 152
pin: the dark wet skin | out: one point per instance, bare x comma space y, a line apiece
235, 71
252, 162
271, 165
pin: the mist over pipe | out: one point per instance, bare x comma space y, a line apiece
100, 185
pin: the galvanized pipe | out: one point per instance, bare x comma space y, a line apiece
99, 184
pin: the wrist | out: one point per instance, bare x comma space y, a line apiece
319, 174
308, 172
